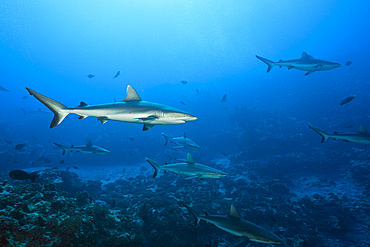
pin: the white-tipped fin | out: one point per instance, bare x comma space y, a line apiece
131, 94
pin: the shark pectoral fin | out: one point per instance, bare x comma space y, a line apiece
309, 72
290, 67
103, 120
147, 126
149, 118
197, 176
238, 241
82, 117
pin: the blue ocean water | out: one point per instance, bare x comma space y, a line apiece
262, 128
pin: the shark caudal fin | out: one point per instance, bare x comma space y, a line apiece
323, 134
62, 147
155, 166
59, 110
269, 63
193, 212
165, 137
24, 111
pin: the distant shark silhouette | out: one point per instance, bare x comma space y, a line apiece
362, 136
188, 168
131, 110
306, 63
182, 142
235, 225
89, 148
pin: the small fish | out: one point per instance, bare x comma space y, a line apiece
223, 154
183, 82
117, 74
35, 138
9, 142
225, 108
224, 98
61, 162
130, 154
348, 63
114, 99
75, 167
47, 160
347, 100
67, 169
19, 146
197, 90
22, 175
90, 76
4, 89
182, 102
25, 97
131, 138
273, 218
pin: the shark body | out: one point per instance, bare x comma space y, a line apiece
132, 110
188, 168
237, 226
306, 63
89, 148
362, 136
181, 142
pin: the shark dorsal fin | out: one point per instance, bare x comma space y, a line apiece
82, 104
184, 135
363, 130
306, 56
233, 212
131, 94
89, 144
189, 159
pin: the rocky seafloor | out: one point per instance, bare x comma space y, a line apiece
61, 209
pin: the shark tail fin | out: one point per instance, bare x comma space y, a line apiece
269, 63
24, 111
155, 166
59, 110
323, 134
193, 212
62, 147
165, 137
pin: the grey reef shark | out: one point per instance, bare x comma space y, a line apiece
89, 148
362, 136
131, 110
188, 168
306, 63
235, 225
181, 142
38, 112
